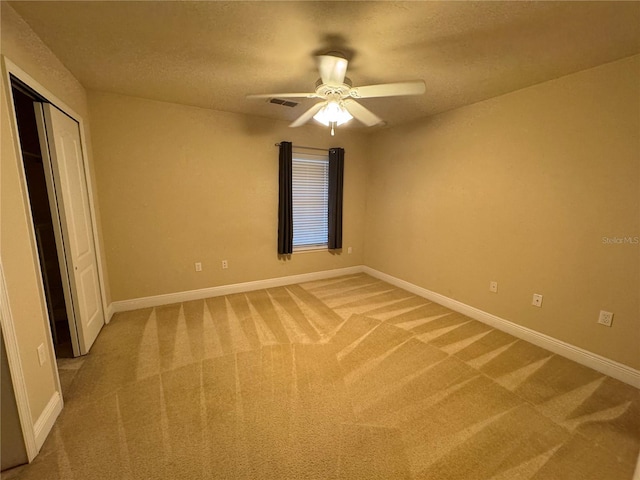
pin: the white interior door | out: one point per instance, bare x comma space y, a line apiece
70, 185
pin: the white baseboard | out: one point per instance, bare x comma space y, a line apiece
589, 359
166, 299
47, 418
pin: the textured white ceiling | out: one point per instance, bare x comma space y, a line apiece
211, 54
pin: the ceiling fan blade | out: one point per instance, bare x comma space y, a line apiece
306, 116
389, 90
332, 69
361, 113
282, 95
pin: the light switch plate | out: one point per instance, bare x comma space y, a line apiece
42, 354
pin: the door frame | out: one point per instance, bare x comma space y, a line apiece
34, 433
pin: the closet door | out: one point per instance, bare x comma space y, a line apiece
62, 135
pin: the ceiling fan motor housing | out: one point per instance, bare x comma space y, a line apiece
346, 85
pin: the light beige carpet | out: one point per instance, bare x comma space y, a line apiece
347, 378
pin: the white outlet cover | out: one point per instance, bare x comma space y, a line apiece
537, 300
605, 318
493, 287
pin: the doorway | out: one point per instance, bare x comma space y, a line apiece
42, 215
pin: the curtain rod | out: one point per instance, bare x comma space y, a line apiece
307, 148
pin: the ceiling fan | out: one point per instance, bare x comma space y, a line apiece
339, 104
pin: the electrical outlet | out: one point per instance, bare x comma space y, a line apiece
606, 318
198, 267
225, 264
493, 287
537, 300
349, 250
42, 354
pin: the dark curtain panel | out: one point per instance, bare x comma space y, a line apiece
285, 201
336, 174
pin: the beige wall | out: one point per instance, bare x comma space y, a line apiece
20, 45
180, 185
521, 189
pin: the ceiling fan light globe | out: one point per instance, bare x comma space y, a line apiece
344, 117
332, 112
322, 118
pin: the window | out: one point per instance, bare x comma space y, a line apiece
310, 197
316, 188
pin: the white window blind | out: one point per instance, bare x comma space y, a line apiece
310, 178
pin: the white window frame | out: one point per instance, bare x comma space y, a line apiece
320, 198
